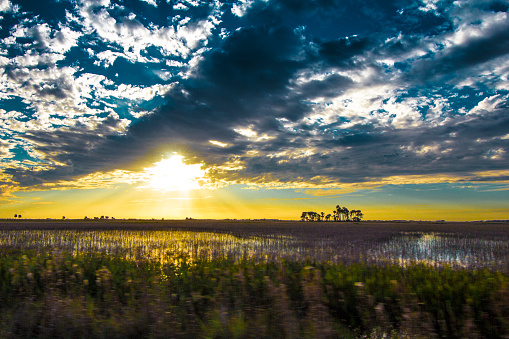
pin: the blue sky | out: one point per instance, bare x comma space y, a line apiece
319, 100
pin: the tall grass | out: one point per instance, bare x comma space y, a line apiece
403, 247
242, 281
61, 295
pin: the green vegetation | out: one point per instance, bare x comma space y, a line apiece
251, 279
57, 295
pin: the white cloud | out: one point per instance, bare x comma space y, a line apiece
151, 2
218, 143
9, 122
136, 93
487, 105
5, 149
429, 5
360, 104
134, 37
5, 6
247, 132
252, 135
192, 35
239, 9
32, 58
91, 4
56, 41
63, 40
107, 58
480, 24
293, 154
95, 180
36, 87
193, 3
92, 86
433, 149
180, 7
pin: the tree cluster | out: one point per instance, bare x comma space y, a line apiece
339, 214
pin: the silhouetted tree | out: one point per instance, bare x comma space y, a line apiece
313, 215
356, 215
346, 214
15, 216
339, 214
310, 216
302, 217
19, 216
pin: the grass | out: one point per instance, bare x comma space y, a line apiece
50, 287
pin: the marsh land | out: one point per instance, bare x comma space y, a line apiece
253, 278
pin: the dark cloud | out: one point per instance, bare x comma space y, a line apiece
253, 61
245, 81
495, 6
453, 148
57, 88
242, 81
263, 86
46, 84
306, 5
490, 45
341, 51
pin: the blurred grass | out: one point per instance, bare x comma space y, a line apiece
243, 279
57, 294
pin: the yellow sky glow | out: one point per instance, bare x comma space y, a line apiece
172, 189
173, 175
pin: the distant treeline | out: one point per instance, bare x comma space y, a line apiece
339, 214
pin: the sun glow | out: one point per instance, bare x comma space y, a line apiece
173, 174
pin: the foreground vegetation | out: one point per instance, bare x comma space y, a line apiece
242, 280
57, 295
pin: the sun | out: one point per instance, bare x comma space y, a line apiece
173, 174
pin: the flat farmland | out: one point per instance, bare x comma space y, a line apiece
253, 279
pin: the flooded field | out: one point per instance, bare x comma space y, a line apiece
244, 279
445, 248
457, 244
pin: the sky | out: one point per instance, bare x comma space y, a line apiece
254, 108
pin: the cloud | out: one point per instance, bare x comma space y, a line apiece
239, 9
340, 52
5, 149
151, 2
477, 40
126, 31
329, 192
5, 6
53, 147
277, 93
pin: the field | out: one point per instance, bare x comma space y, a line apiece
226, 279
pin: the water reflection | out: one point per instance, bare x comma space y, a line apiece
164, 246
176, 246
443, 248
